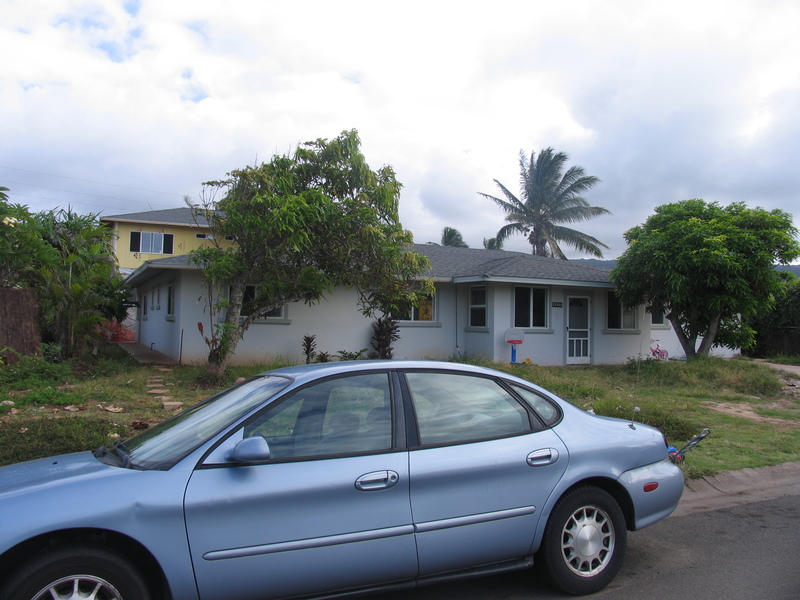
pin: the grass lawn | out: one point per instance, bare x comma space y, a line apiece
753, 410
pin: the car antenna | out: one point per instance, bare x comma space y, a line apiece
636, 409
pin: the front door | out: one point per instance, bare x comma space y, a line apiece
578, 331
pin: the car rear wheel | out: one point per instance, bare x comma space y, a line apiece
73, 572
584, 541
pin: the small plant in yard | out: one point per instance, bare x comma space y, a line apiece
356, 355
386, 331
309, 347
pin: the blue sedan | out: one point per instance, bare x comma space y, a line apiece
338, 478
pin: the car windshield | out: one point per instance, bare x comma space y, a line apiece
163, 445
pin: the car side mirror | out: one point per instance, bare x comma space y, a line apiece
251, 450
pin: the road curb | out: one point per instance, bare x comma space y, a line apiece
731, 488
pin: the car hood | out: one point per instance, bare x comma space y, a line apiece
46, 472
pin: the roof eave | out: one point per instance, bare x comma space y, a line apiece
146, 222
147, 271
532, 281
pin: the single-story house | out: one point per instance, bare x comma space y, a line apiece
562, 312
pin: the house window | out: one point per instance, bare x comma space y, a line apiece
204, 236
657, 316
530, 307
422, 312
477, 306
151, 243
171, 300
619, 317
249, 296
144, 307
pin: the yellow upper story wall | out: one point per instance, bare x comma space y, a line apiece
136, 243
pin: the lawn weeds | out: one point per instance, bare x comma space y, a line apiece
48, 408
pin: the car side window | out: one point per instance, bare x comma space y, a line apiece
454, 407
336, 416
548, 412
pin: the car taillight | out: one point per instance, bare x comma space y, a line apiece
650, 487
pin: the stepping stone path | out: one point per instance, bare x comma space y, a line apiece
156, 387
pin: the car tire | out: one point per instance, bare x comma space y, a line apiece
76, 571
584, 541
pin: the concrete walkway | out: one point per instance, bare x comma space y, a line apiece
145, 355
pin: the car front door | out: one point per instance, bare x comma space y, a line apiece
481, 473
328, 510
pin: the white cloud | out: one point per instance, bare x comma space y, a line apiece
661, 101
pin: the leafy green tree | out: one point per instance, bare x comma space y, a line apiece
22, 246
549, 197
452, 237
708, 267
303, 224
777, 330
81, 288
69, 260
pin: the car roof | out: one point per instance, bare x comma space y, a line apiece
318, 370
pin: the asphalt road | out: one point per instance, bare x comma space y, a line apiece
744, 552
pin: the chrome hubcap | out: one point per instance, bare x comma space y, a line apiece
79, 587
587, 541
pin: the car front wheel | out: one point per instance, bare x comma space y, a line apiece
584, 541
73, 572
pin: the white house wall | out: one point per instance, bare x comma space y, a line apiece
338, 325
436, 340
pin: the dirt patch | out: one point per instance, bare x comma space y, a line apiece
789, 402
746, 412
791, 387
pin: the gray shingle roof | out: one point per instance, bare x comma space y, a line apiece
454, 264
476, 263
171, 216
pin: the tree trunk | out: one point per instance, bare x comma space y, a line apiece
687, 343
229, 335
709, 337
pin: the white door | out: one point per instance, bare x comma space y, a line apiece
578, 331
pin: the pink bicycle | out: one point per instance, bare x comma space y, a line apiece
658, 352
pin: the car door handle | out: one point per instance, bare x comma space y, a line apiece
377, 480
543, 457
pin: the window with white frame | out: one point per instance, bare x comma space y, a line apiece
618, 316
477, 306
422, 312
657, 316
530, 307
151, 243
249, 296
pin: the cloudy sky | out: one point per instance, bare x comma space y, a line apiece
113, 106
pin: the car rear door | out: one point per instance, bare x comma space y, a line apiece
481, 472
329, 510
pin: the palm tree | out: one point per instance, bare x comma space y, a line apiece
452, 237
548, 199
492, 244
